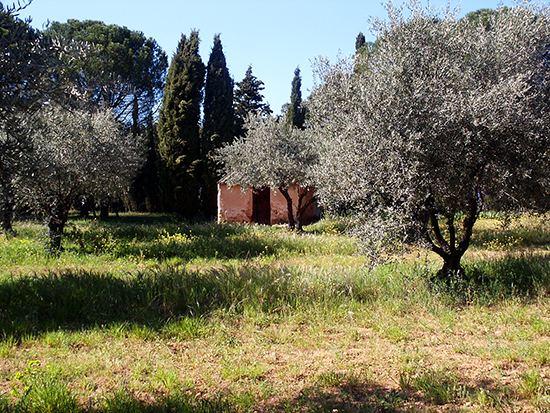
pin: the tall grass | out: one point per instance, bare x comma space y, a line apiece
76, 299
80, 299
132, 242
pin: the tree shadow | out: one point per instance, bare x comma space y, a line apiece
348, 396
345, 397
373, 398
75, 300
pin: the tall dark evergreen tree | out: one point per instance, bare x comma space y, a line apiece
296, 112
219, 123
248, 100
360, 41
178, 129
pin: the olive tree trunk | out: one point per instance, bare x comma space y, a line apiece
289, 207
302, 207
6, 211
452, 250
57, 218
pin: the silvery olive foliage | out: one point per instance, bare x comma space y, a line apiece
32, 69
271, 154
440, 117
76, 153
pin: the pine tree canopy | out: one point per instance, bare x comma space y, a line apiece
126, 71
360, 41
249, 100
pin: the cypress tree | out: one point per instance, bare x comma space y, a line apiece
296, 113
359, 41
218, 101
248, 100
218, 125
178, 129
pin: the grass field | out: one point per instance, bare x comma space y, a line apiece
144, 313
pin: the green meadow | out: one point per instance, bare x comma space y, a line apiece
143, 313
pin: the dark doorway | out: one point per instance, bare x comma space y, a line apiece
261, 206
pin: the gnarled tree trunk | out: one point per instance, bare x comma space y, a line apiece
453, 249
57, 218
7, 200
289, 206
6, 211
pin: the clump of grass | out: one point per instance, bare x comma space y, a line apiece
331, 378
498, 399
186, 328
41, 391
438, 385
532, 385
329, 226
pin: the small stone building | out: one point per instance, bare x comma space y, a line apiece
262, 206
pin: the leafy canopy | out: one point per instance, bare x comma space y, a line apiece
124, 70
442, 117
272, 154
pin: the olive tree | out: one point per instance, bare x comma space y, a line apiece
76, 152
30, 71
443, 115
275, 155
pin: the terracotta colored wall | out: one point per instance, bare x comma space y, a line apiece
234, 205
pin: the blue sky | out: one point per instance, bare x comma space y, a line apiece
274, 36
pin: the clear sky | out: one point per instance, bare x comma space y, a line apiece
274, 36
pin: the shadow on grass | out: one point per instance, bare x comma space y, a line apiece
77, 300
74, 300
54, 396
342, 398
347, 397
369, 397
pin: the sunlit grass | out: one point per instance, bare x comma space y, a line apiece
144, 313
128, 244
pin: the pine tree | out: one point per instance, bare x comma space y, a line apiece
219, 123
296, 112
249, 100
178, 129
